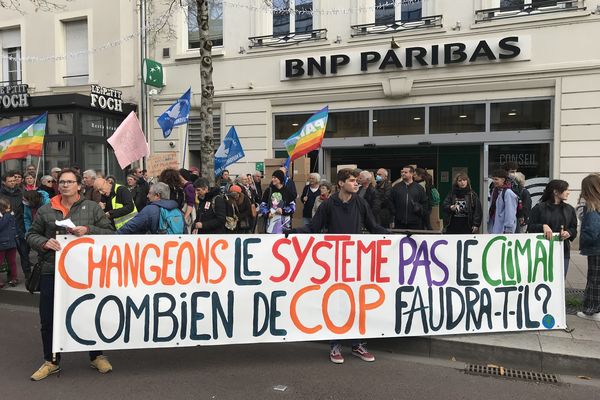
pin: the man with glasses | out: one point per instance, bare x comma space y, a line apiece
117, 202
89, 220
54, 174
14, 195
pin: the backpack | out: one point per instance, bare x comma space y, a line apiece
178, 195
435, 197
170, 221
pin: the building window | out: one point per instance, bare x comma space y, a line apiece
520, 115
457, 118
403, 121
341, 124
10, 43
386, 12
512, 4
76, 44
286, 21
60, 124
215, 24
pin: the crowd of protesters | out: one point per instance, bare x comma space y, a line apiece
182, 201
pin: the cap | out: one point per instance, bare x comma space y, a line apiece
235, 188
279, 175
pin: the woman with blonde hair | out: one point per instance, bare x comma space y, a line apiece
589, 245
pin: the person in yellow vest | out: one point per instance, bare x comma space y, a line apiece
117, 203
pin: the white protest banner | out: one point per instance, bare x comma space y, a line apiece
139, 291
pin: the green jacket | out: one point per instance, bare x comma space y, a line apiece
82, 213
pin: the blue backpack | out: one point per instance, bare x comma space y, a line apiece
171, 221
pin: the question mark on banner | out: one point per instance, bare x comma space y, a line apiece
548, 320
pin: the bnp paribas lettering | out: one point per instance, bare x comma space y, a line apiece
409, 57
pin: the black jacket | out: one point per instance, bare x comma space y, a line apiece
472, 207
410, 204
8, 232
212, 215
310, 202
140, 197
386, 213
555, 216
335, 216
15, 198
372, 198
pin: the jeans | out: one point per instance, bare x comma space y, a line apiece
566, 262
23, 249
353, 342
46, 318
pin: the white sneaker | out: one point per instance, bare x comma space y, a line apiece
591, 317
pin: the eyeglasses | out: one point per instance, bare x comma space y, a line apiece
66, 183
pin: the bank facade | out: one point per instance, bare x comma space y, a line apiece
59, 62
449, 86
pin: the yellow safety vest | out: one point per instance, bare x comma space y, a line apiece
120, 221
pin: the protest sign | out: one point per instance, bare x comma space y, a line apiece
156, 163
189, 290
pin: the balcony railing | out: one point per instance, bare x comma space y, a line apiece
541, 7
288, 39
396, 26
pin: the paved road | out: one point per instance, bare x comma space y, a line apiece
247, 372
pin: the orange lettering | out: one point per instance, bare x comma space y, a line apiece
224, 245
153, 268
61, 263
363, 307
294, 314
330, 325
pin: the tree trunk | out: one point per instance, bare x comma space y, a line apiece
208, 90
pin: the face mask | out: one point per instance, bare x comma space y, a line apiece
378, 178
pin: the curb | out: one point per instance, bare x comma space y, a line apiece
476, 353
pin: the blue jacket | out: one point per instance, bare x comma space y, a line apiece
589, 241
28, 214
505, 217
8, 232
148, 219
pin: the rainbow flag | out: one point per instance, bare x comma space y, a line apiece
309, 137
23, 138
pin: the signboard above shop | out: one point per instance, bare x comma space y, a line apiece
106, 98
409, 57
14, 96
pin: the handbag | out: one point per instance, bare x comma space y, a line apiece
232, 222
32, 283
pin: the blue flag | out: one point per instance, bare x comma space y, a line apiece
228, 152
177, 114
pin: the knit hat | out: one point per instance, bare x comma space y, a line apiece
235, 188
279, 175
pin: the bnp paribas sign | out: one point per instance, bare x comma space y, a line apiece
409, 57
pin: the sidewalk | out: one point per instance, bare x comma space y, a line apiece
556, 352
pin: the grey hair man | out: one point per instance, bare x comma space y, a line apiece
89, 177
148, 219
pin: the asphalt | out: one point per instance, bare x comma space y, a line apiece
575, 351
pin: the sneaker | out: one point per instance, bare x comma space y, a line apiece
335, 354
361, 352
591, 317
13, 282
101, 364
46, 369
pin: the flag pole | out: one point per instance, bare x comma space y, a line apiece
187, 128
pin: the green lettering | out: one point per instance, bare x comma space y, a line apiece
484, 264
523, 250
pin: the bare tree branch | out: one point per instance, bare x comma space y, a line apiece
38, 5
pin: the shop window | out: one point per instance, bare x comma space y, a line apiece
457, 118
57, 154
386, 12
94, 155
402, 121
76, 44
92, 125
285, 20
215, 24
520, 115
60, 124
10, 44
339, 124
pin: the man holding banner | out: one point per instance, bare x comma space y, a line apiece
346, 213
85, 217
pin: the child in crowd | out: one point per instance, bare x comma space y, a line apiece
8, 241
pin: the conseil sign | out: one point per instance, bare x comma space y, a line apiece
409, 57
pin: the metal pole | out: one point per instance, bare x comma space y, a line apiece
142, 57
